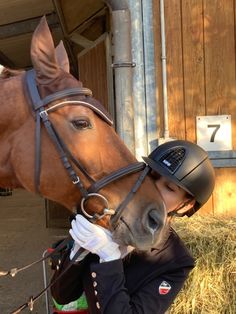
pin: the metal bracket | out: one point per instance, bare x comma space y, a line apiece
125, 64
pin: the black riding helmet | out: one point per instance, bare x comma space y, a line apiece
188, 166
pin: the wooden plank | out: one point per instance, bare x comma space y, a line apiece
17, 49
93, 72
219, 47
17, 10
224, 194
76, 12
175, 69
232, 103
219, 40
208, 208
26, 26
4, 60
193, 61
81, 40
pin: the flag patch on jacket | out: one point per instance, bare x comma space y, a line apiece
164, 287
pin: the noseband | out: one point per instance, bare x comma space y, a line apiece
41, 110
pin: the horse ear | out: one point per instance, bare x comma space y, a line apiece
43, 53
62, 57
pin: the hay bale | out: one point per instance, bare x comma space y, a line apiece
211, 286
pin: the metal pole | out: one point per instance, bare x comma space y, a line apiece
123, 77
140, 123
149, 74
122, 66
136, 105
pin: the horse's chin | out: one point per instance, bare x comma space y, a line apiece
125, 236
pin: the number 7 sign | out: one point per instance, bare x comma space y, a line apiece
214, 132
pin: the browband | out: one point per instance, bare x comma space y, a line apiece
76, 91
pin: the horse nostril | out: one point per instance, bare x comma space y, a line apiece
153, 220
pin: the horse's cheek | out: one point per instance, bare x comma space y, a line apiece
22, 159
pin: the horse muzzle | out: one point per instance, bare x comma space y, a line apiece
142, 232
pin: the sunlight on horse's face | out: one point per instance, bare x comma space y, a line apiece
98, 148
78, 126
89, 138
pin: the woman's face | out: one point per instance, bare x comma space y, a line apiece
173, 196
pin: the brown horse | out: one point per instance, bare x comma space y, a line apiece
85, 127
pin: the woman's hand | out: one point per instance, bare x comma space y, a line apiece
94, 239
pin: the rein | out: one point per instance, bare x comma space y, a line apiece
42, 109
30, 303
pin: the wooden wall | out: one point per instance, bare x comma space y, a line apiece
93, 72
201, 70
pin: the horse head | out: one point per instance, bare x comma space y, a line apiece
90, 144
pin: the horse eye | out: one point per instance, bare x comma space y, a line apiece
81, 124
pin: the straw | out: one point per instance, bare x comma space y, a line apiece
211, 286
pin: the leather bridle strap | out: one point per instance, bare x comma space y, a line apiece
57, 142
113, 176
116, 175
95, 186
119, 210
32, 300
38, 102
41, 113
14, 271
65, 155
116, 213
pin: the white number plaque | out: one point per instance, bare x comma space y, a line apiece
214, 132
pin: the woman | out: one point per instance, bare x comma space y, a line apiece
116, 280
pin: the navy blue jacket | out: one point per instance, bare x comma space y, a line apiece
140, 283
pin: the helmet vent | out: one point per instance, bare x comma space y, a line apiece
173, 159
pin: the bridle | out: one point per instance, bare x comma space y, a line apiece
41, 110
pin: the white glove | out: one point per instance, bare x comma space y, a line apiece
94, 239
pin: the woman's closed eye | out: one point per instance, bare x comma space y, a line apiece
170, 188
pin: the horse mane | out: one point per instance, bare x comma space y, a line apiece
7, 73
